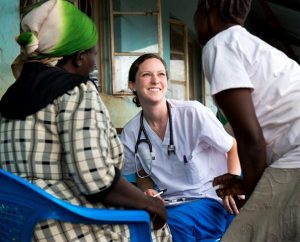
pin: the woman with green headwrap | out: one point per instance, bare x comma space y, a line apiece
56, 132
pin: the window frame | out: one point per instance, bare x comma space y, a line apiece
185, 56
114, 54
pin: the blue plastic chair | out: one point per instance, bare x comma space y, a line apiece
23, 205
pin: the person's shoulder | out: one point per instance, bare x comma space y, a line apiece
228, 36
184, 103
132, 123
191, 105
130, 130
86, 86
235, 39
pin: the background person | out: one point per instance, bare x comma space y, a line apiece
258, 89
189, 146
56, 132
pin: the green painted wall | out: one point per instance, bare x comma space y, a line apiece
184, 10
121, 109
9, 49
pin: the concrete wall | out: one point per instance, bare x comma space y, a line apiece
184, 10
9, 49
120, 108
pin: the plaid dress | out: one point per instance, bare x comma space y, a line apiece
68, 148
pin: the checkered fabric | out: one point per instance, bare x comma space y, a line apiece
69, 148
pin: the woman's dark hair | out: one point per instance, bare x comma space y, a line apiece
134, 69
64, 60
236, 10
229, 10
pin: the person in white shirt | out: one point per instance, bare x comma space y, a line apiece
179, 146
257, 87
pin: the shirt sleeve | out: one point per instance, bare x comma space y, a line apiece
90, 150
212, 130
224, 68
116, 148
128, 138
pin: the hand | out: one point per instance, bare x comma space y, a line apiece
233, 203
229, 185
152, 192
157, 212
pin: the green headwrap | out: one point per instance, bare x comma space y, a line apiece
56, 28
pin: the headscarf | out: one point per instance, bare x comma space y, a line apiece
52, 30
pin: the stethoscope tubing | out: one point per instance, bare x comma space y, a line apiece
171, 146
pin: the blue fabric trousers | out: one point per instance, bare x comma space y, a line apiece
202, 220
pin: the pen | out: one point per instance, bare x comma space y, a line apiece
161, 192
185, 159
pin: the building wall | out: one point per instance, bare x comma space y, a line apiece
121, 108
9, 49
184, 10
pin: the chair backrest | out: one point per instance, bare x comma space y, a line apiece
23, 205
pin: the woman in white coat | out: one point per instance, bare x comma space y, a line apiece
179, 146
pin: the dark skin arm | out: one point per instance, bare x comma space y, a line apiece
123, 194
144, 183
238, 107
129, 196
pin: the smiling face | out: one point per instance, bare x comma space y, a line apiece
150, 81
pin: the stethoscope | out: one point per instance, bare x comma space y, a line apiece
171, 146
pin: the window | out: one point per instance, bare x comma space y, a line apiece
129, 37
24, 4
193, 91
179, 79
94, 9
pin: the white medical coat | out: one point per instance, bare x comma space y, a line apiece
198, 136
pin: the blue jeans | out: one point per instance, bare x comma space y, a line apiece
202, 220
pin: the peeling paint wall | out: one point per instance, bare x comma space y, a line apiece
121, 109
9, 49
